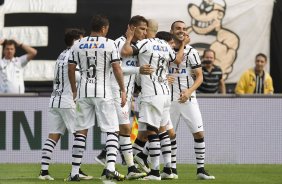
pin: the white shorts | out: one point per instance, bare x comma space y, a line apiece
169, 124
62, 119
154, 110
122, 112
188, 112
104, 110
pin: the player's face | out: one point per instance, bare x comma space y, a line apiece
140, 31
105, 30
9, 51
260, 64
179, 30
209, 56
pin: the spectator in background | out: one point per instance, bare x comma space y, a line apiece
11, 67
256, 80
212, 75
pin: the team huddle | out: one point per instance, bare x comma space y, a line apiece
95, 76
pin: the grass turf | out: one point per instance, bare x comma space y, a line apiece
225, 174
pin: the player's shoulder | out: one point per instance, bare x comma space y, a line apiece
120, 39
190, 50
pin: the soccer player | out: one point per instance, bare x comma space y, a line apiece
96, 55
130, 69
155, 99
183, 94
61, 107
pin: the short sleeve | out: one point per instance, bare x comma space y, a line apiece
23, 60
73, 59
194, 58
115, 56
142, 46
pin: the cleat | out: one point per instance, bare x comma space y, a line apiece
75, 178
84, 176
152, 177
203, 175
166, 176
112, 175
174, 172
142, 163
44, 175
134, 173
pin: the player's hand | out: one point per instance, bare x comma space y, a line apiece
186, 39
74, 94
2, 41
123, 98
170, 79
146, 69
130, 32
184, 96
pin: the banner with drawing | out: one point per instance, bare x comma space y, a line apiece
235, 30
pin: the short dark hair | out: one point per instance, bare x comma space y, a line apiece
262, 55
178, 21
9, 42
137, 19
73, 34
208, 50
99, 21
164, 35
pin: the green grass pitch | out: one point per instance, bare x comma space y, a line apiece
224, 173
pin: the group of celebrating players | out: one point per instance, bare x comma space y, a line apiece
167, 69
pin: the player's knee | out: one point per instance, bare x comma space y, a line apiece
124, 129
152, 129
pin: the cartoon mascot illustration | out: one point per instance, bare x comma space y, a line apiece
206, 25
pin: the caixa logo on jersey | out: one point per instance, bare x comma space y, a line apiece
130, 63
160, 48
91, 46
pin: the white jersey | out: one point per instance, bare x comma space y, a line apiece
11, 75
158, 54
128, 79
183, 72
94, 56
62, 96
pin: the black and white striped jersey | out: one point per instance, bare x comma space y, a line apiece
94, 56
128, 79
61, 96
183, 73
158, 54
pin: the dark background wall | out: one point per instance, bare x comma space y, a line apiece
276, 47
117, 11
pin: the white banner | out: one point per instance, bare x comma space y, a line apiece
235, 30
250, 134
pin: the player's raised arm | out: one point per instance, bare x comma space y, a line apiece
180, 53
127, 49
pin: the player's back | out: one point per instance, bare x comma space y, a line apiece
94, 56
61, 96
158, 54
